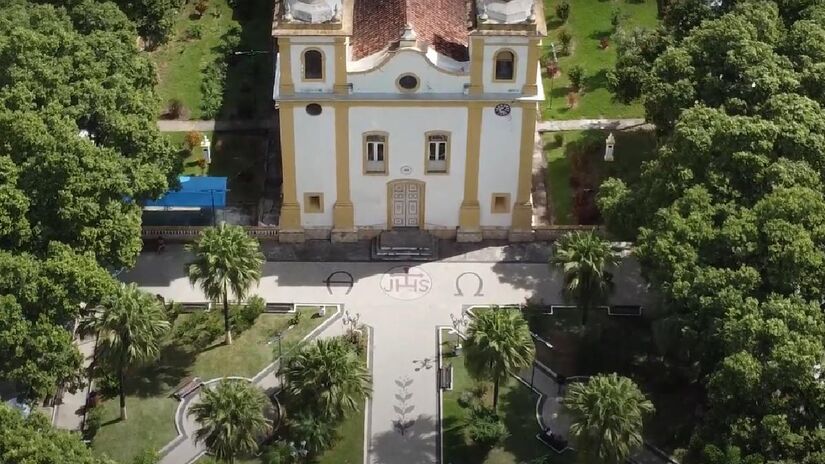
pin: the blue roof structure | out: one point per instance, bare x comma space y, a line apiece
195, 192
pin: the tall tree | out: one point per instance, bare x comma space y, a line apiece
498, 343
226, 259
584, 258
34, 440
231, 418
607, 415
130, 325
329, 377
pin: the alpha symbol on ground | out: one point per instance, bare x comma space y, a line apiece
406, 283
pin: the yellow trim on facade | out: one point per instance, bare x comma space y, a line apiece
304, 77
287, 87
290, 210
469, 217
309, 206
504, 207
343, 211
523, 207
341, 86
515, 65
533, 51
447, 156
386, 136
422, 202
476, 66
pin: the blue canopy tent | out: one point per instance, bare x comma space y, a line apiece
195, 195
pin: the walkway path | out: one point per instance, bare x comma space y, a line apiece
554, 418
584, 124
184, 449
404, 307
69, 413
174, 125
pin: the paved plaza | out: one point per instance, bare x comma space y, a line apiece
403, 304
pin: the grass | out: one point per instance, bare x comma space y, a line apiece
565, 177
517, 404
239, 156
589, 21
150, 408
180, 61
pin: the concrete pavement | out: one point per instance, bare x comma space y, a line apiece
404, 305
585, 124
175, 125
69, 413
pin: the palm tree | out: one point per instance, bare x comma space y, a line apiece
328, 376
607, 416
226, 258
232, 419
584, 258
130, 325
316, 435
498, 342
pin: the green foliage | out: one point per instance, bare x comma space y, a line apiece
327, 378
245, 316
199, 330
34, 440
607, 416
576, 75
231, 418
565, 38
584, 259
563, 11
317, 433
154, 18
194, 32
277, 453
485, 427
94, 419
558, 139
214, 75
295, 319
148, 456
729, 217
498, 343
226, 260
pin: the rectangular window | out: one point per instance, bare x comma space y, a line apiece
501, 203
375, 156
438, 152
313, 202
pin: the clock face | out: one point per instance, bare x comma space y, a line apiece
502, 109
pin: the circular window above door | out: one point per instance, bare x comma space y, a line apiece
408, 82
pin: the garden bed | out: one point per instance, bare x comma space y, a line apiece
589, 22
149, 403
576, 169
517, 405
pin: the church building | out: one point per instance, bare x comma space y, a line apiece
407, 114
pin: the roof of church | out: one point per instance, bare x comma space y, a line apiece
441, 24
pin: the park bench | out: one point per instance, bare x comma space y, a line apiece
185, 387
556, 442
278, 308
445, 377
194, 307
624, 310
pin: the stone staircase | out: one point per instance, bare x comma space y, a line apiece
404, 245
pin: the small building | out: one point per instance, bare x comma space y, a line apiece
407, 114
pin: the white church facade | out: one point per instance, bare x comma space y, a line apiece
407, 114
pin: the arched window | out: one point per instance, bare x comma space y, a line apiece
313, 65
505, 66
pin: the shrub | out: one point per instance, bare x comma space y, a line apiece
565, 39
479, 390
147, 456
563, 11
94, 419
201, 6
572, 99
558, 139
106, 383
212, 84
193, 32
296, 318
277, 453
200, 329
576, 75
356, 338
245, 316
466, 399
485, 427
175, 109
192, 139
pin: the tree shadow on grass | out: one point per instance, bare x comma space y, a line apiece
596, 81
163, 375
457, 449
518, 408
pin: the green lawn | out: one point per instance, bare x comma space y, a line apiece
150, 409
578, 165
589, 21
517, 404
237, 155
180, 61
